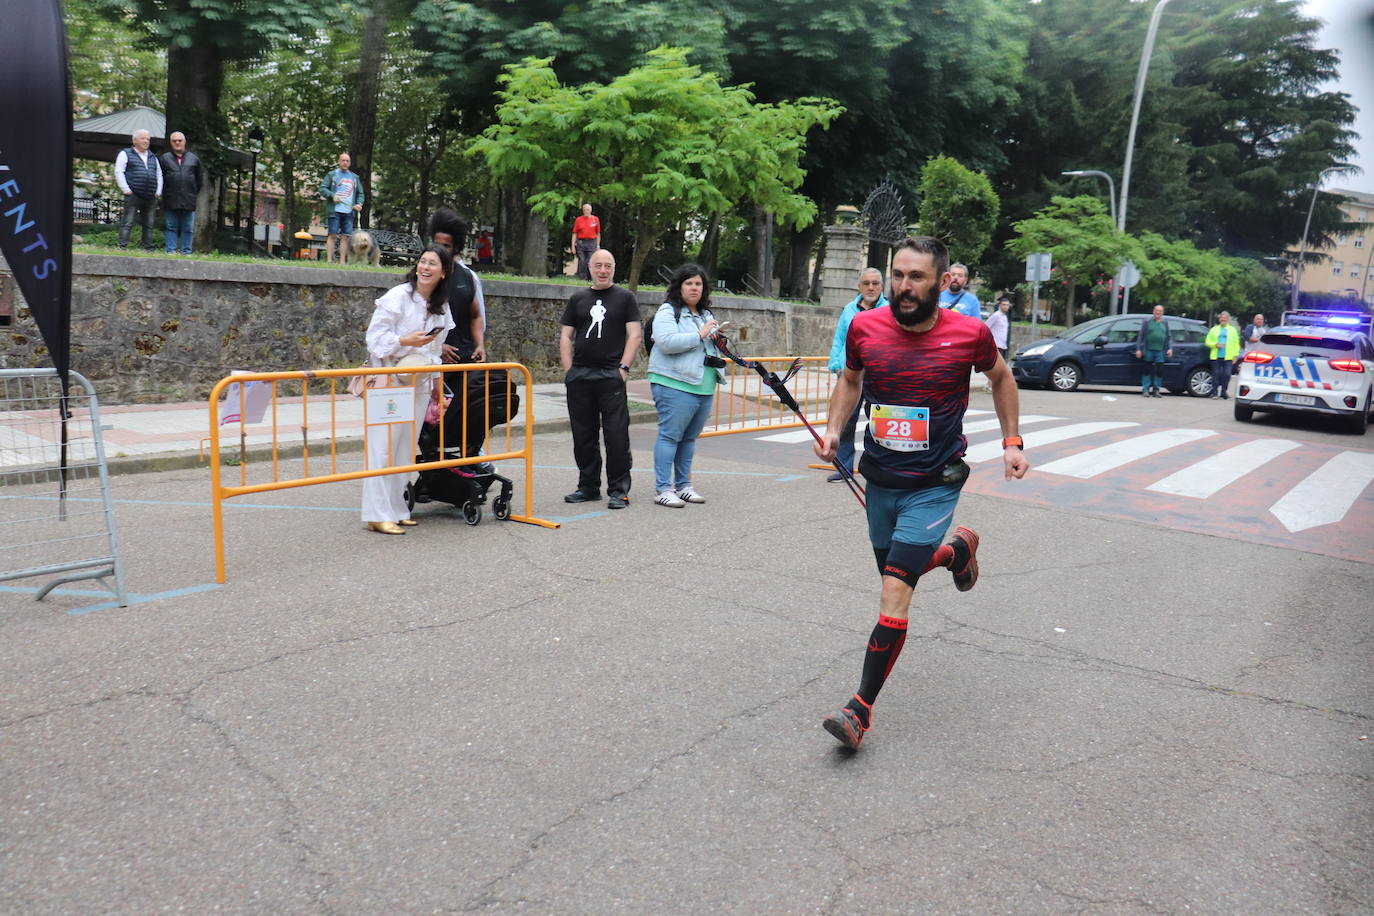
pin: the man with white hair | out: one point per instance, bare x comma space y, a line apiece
139, 177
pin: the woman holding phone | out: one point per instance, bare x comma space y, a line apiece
684, 369
407, 328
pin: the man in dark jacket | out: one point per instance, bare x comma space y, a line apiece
182, 177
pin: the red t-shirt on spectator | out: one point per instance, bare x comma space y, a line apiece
587, 227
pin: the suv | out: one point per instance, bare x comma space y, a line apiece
1102, 352
1322, 365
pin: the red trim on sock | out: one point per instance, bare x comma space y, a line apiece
895, 623
868, 706
942, 557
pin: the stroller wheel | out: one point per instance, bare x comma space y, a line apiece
501, 508
410, 495
472, 513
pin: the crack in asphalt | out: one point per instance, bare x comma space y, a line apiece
485, 896
1085, 661
290, 832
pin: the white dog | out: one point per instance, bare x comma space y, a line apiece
363, 247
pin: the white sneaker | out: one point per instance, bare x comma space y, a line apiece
668, 498
687, 494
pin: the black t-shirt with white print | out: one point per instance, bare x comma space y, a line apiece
598, 318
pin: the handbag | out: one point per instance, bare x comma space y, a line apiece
358, 384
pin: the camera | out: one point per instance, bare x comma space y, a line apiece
715, 362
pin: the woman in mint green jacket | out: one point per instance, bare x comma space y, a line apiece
1224, 341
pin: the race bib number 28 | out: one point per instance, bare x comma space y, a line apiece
901, 429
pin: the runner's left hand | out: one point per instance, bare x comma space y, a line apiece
1015, 463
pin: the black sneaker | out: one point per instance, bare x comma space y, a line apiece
582, 496
617, 502
844, 724
964, 566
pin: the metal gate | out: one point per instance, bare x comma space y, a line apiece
54, 520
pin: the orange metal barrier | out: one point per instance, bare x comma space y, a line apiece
744, 404
332, 387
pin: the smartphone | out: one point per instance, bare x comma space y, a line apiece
722, 326
431, 332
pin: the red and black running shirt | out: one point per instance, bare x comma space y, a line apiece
917, 385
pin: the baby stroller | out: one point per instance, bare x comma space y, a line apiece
490, 403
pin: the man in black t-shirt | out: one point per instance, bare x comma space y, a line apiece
596, 344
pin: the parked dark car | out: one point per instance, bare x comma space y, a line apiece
1102, 352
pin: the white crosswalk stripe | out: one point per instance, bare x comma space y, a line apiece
987, 451
1095, 461
1212, 474
1327, 494
1323, 497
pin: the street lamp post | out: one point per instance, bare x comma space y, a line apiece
1302, 249
1135, 110
255, 138
1364, 284
1111, 185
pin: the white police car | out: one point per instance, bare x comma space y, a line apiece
1316, 361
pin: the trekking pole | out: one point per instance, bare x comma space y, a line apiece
779, 388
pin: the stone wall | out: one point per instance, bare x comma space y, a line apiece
149, 330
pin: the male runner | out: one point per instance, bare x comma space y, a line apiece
912, 361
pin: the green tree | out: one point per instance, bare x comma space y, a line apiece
959, 207
1235, 126
110, 69
421, 148
203, 38
665, 141
295, 98
1082, 238
1183, 278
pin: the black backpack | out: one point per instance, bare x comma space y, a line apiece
649, 328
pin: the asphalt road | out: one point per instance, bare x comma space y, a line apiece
623, 714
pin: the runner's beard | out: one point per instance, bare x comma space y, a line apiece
924, 307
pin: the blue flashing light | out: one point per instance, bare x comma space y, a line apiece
1342, 319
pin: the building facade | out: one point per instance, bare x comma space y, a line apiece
1345, 272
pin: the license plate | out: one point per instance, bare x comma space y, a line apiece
1301, 399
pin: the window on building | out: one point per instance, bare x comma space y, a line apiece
1337, 267
1359, 242
1354, 271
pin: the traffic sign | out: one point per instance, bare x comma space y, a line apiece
1038, 267
1127, 275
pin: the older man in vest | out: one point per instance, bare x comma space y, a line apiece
139, 177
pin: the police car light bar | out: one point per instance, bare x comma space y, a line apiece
1362, 321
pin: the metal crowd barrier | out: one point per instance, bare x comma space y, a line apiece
744, 404
323, 397
56, 516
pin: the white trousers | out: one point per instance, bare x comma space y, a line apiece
384, 498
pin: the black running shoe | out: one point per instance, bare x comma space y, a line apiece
844, 724
964, 566
582, 496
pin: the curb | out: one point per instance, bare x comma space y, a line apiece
190, 459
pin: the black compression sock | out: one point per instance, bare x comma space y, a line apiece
889, 635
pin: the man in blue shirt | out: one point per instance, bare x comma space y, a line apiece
342, 191
957, 296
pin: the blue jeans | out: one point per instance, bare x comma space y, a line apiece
681, 415
845, 453
1154, 362
1221, 376
181, 226
341, 222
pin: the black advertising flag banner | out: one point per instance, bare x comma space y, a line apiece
36, 166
